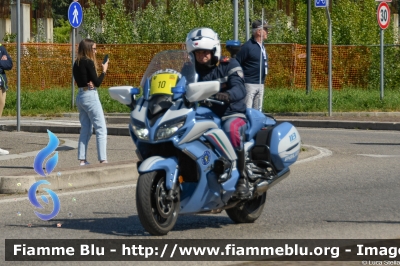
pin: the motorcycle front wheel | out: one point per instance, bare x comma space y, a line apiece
157, 213
249, 211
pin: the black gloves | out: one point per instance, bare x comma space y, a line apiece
222, 96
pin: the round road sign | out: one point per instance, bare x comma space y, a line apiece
383, 15
75, 14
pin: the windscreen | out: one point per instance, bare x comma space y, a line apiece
172, 61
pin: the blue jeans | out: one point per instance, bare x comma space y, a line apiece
91, 114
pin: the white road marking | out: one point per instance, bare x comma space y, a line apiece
379, 155
322, 153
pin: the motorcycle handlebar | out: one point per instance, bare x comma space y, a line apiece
215, 101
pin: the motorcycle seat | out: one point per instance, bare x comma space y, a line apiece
256, 121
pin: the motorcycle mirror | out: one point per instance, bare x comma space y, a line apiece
201, 90
123, 94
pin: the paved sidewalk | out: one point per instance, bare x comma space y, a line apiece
17, 173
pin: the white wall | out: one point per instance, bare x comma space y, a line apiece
47, 24
5, 27
25, 19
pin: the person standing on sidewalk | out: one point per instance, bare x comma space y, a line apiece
5, 64
254, 60
88, 102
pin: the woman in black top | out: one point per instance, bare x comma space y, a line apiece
88, 102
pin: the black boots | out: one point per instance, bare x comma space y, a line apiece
242, 187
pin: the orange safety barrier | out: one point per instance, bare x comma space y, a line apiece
45, 66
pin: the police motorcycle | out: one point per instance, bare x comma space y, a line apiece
187, 164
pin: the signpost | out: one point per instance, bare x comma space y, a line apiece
383, 18
325, 4
18, 65
75, 18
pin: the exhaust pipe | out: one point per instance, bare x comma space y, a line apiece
264, 185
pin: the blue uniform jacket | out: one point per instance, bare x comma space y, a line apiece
230, 74
4, 65
249, 58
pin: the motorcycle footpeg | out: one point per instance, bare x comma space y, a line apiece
247, 196
244, 197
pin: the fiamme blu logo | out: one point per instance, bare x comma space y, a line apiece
49, 167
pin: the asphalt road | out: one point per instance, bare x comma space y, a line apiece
119, 148
353, 193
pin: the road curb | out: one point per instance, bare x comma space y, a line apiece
73, 178
114, 131
345, 124
124, 131
342, 114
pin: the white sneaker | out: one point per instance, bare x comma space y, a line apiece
84, 163
3, 152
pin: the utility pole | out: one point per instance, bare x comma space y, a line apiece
308, 53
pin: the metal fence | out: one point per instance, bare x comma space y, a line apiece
45, 66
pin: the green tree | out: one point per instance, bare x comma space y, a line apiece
61, 34
150, 25
116, 26
92, 23
60, 11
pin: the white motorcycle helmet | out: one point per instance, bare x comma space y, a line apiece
204, 39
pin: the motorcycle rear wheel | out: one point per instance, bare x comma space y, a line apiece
157, 214
249, 211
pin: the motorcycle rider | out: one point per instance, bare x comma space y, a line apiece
205, 45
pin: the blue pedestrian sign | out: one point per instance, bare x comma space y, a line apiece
75, 14
321, 3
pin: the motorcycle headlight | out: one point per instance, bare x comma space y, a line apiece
169, 128
140, 130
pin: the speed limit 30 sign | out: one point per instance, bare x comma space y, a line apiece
383, 15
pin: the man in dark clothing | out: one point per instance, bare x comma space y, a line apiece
5, 64
205, 46
230, 74
254, 60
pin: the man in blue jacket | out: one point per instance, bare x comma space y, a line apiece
205, 45
5, 64
254, 60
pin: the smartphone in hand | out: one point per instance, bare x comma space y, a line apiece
105, 59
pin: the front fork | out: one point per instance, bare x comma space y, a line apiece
169, 166
172, 186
